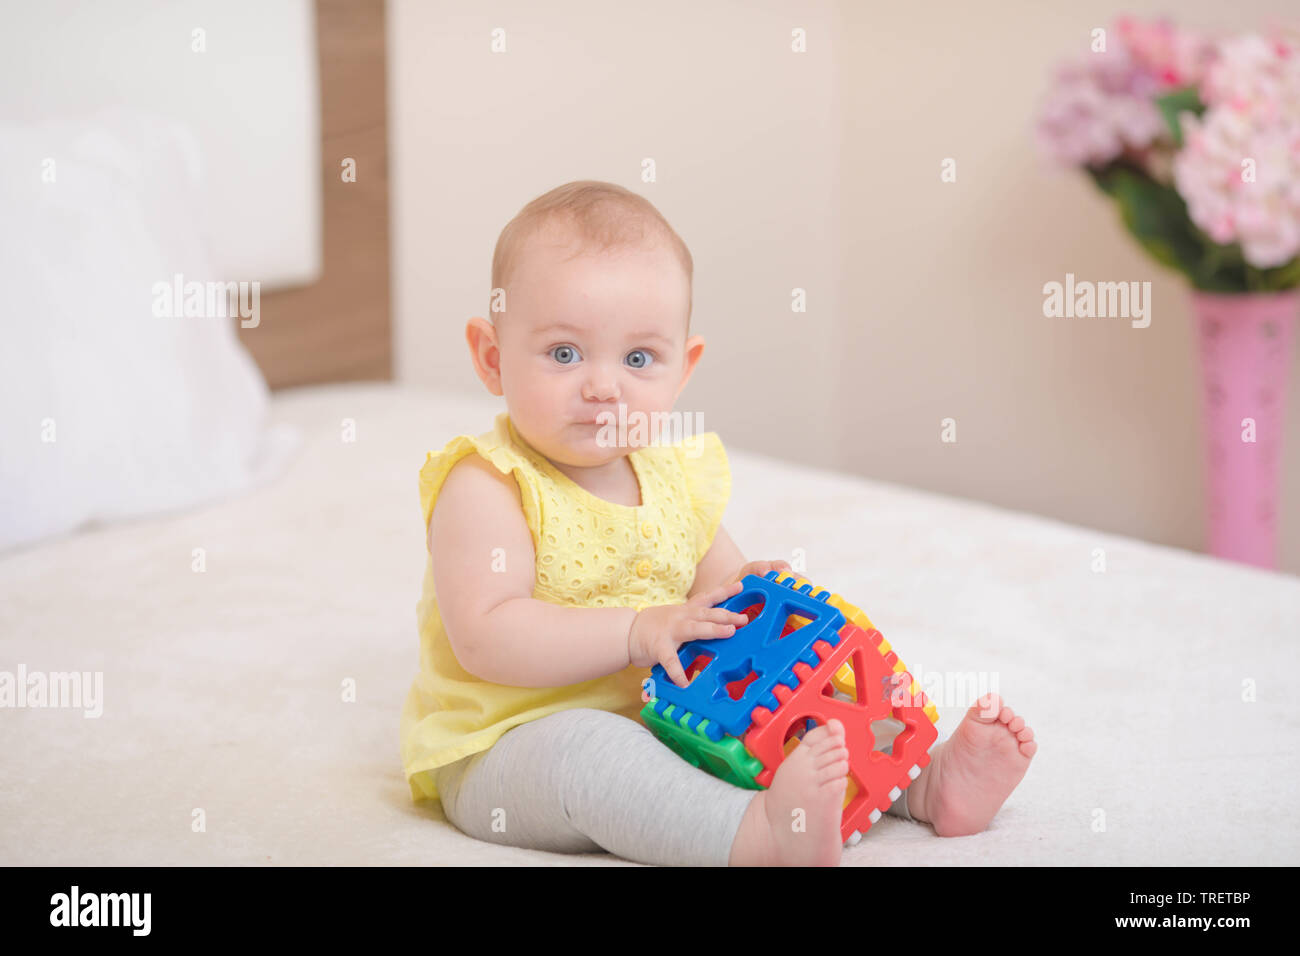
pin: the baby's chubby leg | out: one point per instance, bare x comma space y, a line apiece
584, 780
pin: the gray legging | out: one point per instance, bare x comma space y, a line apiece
585, 781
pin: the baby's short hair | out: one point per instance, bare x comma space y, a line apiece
600, 216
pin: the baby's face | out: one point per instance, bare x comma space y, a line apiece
584, 336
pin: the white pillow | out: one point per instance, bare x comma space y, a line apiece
109, 411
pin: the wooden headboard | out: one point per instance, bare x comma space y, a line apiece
339, 328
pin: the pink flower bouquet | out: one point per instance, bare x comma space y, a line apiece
1198, 141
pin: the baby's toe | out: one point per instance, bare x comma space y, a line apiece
835, 770
825, 736
831, 756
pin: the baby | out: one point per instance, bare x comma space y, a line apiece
563, 564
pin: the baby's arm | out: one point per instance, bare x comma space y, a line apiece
724, 563
497, 630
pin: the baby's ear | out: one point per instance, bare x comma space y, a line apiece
485, 352
693, 349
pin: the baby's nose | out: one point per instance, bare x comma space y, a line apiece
603, 390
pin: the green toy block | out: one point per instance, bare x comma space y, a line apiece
727, 759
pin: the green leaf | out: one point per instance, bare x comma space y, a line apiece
1222, 268
1281, 277
1185, 100
1157, 217
1103, 177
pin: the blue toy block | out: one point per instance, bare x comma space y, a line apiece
756, 648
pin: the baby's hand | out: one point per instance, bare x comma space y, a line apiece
761, 568
657, 632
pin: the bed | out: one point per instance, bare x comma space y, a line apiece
250, 710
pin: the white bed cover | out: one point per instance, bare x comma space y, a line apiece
1155, 688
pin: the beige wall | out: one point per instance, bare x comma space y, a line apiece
821, 171
742, 134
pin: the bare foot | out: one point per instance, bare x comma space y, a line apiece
972, 773
796, 821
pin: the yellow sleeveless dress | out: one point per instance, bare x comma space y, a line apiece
589, 553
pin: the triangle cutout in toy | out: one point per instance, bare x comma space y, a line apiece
846, 683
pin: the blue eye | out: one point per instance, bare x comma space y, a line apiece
646, 361
561, 354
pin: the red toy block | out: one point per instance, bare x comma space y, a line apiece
873, 775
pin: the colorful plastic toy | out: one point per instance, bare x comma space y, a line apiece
804, 657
